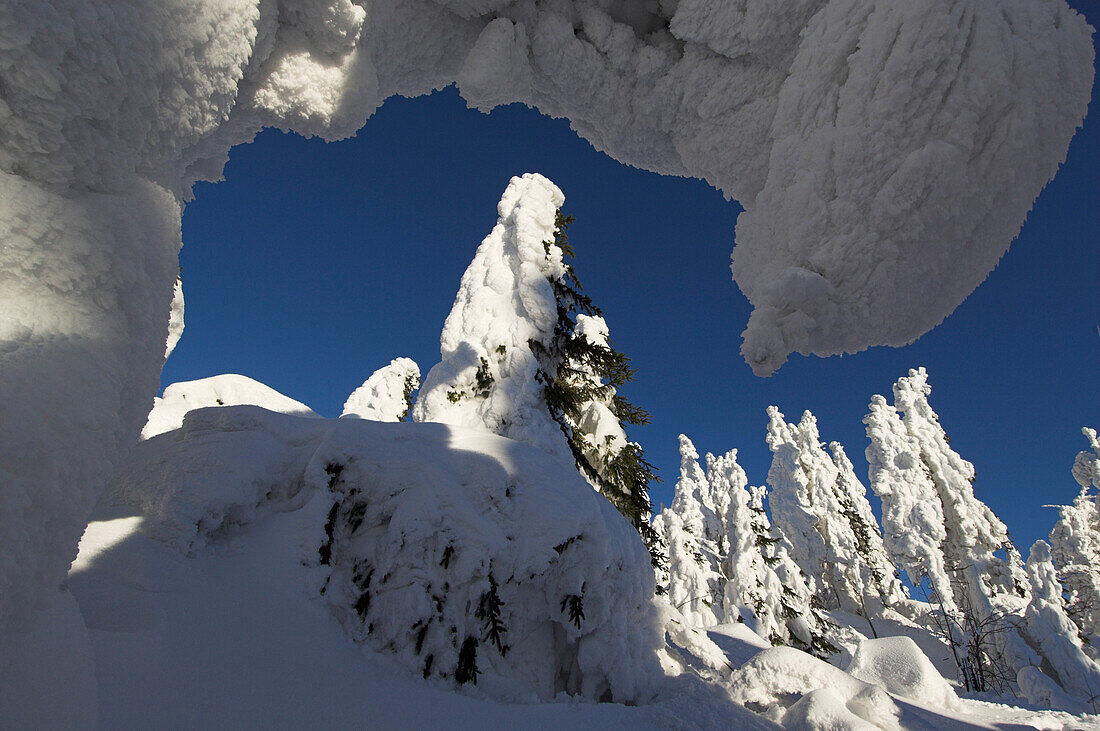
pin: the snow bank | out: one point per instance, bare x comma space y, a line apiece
800, 691
228, 389
875, 148
464, 555
899, 666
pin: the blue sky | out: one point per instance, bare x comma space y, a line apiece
313, 264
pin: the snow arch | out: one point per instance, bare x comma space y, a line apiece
877, 148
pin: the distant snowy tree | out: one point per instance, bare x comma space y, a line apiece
1075, 543
1054, 634
692, 532
527, 355
795, 496
912, 516
387, 394
787, 611
821, 507
938, 529
875, 573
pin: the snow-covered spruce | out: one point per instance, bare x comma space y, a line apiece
1049, 629
727, 564
821, 507
939, 530
464, 555
695, 540
95, 169
525, 354
1075, 544
387, 394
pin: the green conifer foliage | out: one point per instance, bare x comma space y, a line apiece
576, 372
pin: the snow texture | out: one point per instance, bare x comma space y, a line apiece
385, 395
229, 389
875, 149
431, 538
800, 691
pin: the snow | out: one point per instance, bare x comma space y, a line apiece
419, 523
504, 302
222, 627
874, 149
899, 666
385, 395
228, 389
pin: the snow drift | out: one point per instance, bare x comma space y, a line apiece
465, 555
875, 147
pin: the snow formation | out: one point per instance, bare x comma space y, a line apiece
385, 396
875, 148
435, 542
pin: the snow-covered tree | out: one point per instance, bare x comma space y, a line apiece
877, 574
527, 355
789, 612
1075, 543
387, 394
796, 499
912, 517
1053, 634
821, 507
692, 532
938, 529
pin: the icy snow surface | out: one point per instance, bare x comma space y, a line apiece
876, 147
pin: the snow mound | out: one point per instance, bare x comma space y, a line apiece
799, 691
899, 666
464, 555
228, 389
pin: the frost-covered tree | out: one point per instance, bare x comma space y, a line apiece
692, 531
525, 354
796, 497
821, 507
875, 572
939, 530
1053, 633
387, 394
1075, 543
792, 614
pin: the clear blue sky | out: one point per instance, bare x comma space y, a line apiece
313, 264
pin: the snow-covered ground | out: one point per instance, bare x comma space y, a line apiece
199, 602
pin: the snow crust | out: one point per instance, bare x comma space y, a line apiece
875, 149
229, 389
